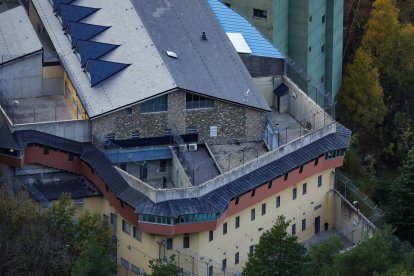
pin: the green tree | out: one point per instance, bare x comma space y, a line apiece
277, 253
360, 100
159, 268
400, 208
321, 256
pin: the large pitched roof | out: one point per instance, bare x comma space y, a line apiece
17, 36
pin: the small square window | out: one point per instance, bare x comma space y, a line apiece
286, 177
277, 201
320, 181
225, 228
237, 222
260, 13
301, 169
253, 192
169, 243
263, 209
269, 185
303, 224
316, 161
191, 130
213, 131
236, 258
294, 193
304, 188
252, 214
293, 229
126, 227
186, 241
323, 18
128, 111
210, 236
134, 134
167, 132
237, 201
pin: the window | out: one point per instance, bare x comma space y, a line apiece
237, 222
263, 209
304, 188
227, 4
252, 214
126, 227
213, 131
269, 186
286, 177
251, 250
237, 201
113, 219
110, 136
293, 229
322, 78
323, 18
137, 233
169, 243
186, 241
301, 169
45, 150
310, 18
163, 165
253, 192
70, 156
310, 49
191, 130
210, 270
155, 105
320, 181
277, 201
123, 166
260, 13
195, 102
236, 258
224, 265
125, 263
135, 134
128, 111
225, 228
303, 224
317, 207
316, 161
323, 48
210, 236
167, 132
136, 269
294, 193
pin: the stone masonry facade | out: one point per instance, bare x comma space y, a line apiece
227, 117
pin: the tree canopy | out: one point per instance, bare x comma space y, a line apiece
159, 268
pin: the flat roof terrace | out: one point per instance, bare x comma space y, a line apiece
40, 109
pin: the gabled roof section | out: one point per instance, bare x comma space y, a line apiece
100, 70
82, 31
17, 36
232, 22
93, 50
74, 13
56, 3
208, 66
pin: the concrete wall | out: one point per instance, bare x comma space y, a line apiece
265, 85
178, 175
280, 25
53, 83
349, 221
22, 78
226, 116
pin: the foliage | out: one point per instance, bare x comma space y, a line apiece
94, 260
159, 268
277, 253
321, 256
400, 207
406, 10
360, 100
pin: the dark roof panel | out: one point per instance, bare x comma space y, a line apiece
56, 3
74, 13
100, 70
82, 31
93, 50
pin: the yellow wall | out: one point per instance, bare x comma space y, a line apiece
73, 100
50, 72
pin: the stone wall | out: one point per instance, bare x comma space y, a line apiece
229, 119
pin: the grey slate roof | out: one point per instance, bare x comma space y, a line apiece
214, 202
210, 67
17, 36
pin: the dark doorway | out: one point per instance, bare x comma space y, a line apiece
143, 171
326, 226
317, 225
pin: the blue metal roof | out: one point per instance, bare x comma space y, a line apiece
56, 3
82, 31
233, 22
100, 70
93, 50
137, 155
73, 13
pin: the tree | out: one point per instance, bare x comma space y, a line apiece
360, 100
277, 253
400, 208
159, 268
94, 260
321, 256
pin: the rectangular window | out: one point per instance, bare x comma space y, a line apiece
303, 224
70, 156
301, 169
134, 134
213, 131
260, 13
304, 188
137, 233
128, 111
191, 130
277, 201
286, 176
195, 102
253, 192
113, 219
237, 201
163, 165
126, 227
225, 228
263, 209
125, 263
155, 105
110, 136
167, 132
45, 150
269, 185
323, 18
323, 48
316, 162
169, 243
136, 269
317, 207
251, 250
236, 258
293, 229
320, 181
210, 236
237, 222
252, 214
210, 270
294, 193
224, 265
186, 241
322, 78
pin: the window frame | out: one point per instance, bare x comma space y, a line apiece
263, 209
126, 227
155, 105
294, 193
258, 13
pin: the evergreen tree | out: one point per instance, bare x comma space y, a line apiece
164, 269
321, 256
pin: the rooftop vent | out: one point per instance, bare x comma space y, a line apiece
204, 36
172, 54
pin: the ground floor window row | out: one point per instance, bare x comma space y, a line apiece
131, 267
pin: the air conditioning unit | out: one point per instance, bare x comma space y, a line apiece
192, 147
183, 147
